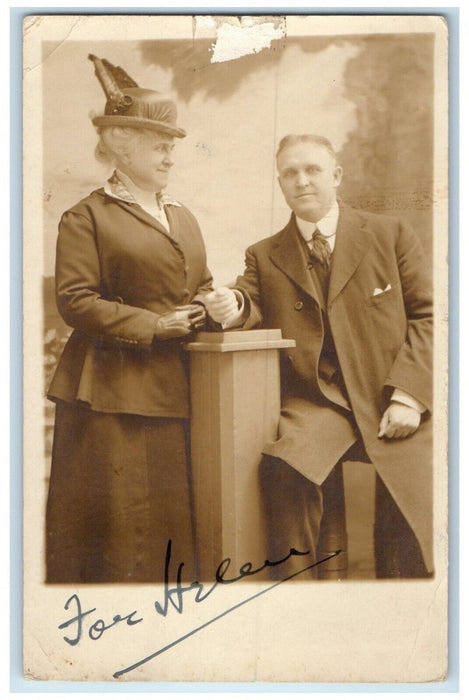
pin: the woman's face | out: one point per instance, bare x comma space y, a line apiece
148, 161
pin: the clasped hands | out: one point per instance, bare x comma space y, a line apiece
222, 305
182, 321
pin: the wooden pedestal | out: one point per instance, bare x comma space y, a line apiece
235, 409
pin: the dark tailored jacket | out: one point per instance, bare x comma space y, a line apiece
383, 341
117, 270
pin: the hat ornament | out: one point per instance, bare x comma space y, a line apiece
112, 78
128, 105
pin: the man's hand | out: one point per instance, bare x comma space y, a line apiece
222, 304
399, 421
180, 322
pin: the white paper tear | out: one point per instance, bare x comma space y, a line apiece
205, 22
247, 37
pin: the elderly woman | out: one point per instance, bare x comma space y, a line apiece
130, 276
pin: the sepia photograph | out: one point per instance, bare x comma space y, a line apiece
236, 365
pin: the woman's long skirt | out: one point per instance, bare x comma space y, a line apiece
119, 504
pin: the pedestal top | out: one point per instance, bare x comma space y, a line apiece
235, 341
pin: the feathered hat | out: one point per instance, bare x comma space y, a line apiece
129, 105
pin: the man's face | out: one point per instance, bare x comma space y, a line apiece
308, 176
149, 161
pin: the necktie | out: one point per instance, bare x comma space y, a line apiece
320, 248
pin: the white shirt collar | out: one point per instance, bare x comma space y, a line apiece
327, 225
143, 197
119, 186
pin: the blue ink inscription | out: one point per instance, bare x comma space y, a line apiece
174, 596
97, 629
220, 578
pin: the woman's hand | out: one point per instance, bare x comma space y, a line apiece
182, 321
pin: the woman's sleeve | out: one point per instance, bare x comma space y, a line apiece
205, 286
79, 290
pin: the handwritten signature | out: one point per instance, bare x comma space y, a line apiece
173, 598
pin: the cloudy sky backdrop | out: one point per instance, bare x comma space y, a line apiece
234, 114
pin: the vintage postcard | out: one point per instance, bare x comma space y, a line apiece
235, 407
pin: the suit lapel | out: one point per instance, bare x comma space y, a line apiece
351, 244
139, 213
289, 257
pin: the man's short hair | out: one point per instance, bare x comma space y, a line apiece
293, 139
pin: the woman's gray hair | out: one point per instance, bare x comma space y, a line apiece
116, 141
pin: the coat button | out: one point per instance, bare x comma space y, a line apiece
298, 305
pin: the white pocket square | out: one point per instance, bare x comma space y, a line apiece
381, 291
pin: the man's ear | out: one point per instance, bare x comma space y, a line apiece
338, 172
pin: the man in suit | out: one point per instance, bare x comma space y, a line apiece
354, 291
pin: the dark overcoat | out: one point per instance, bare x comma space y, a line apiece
117, 271
383, 341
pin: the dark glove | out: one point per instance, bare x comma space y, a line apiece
180, 322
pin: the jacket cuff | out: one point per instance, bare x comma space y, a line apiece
400, 396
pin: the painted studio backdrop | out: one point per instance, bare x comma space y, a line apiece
372, 96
